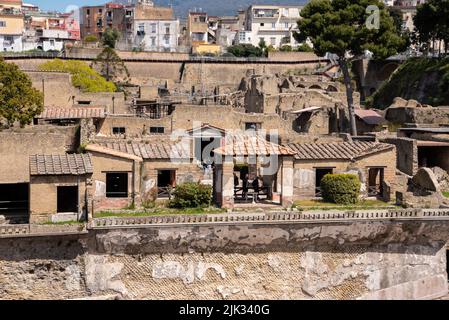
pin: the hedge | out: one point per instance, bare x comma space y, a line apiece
191, 195
340, 188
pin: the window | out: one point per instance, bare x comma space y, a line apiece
117, 185
273, 41
167, 28
2, 23
118, 130
88, 11
141, 27
273, 25
153, 28
52, 43
262, 24
100, 10
253, 126
157, 130
167, 40
153, 41
286, 25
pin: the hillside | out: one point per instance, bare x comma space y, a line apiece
425, 80
219, 8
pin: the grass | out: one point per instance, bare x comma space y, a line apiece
158, 212
321, 205
446, 194
63, 223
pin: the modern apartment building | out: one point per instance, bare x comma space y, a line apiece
92, 21
49, 31
155, 28
275, 25
11, 25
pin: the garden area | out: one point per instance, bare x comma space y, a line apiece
187, 199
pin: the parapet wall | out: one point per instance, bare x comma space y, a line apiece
395, 258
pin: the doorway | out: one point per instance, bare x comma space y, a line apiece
166, 180
14, 202
67, 199
319, 175
204, 149
375, 181
117, 185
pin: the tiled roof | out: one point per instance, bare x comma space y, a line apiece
72, 113
247, 145
149, 150
65, 164
337, 151
370, 117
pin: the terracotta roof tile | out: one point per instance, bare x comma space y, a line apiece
66, 164
247, 145
72, 113
337, 151
149, 150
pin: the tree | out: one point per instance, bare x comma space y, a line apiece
304, 48
432, 25
344, 28
110, 66
110, 37
19, 101
245, 50
83, 77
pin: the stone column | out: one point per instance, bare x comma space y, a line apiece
287, 181
228, 184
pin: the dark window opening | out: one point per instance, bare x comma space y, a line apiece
117, 185
14, 202
157, 130
319, 175
253, 126
118, 130
375, 181
67, 199
84, 102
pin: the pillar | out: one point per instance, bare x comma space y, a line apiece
227, 193
287, 181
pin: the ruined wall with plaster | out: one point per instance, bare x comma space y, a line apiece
18, 144
407, 154
345, 260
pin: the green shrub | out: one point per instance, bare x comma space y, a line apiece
91, 38
191, 195
83, 76
340, 188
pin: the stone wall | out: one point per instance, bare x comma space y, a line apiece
396, 259
17, 145
407, 154
304, 173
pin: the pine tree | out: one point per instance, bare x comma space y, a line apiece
340, 27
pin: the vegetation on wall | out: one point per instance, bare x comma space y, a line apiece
340, 188
19, 101
245, 50
422, 79
83, 77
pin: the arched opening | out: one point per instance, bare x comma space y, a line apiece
299, 85
315, 86
331, 88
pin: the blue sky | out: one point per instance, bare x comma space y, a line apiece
61, 5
